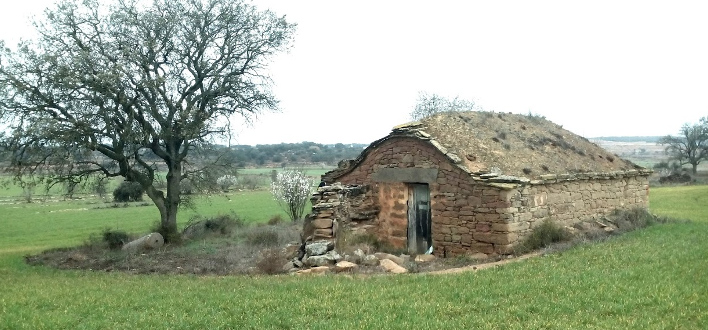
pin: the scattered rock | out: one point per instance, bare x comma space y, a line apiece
329, 258
314, 270
370, 260
344, 266
320, 270
424, 258
353, 258
359, 253
291, 250
392, 267
318, 248
149, 241
289, 266
382, 256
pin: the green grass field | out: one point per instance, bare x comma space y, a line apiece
649, 279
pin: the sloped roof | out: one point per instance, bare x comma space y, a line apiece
521, 147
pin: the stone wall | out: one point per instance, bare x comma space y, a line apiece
340, 207
476, 212
457, 201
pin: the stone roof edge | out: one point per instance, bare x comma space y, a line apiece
409, 130
510, 182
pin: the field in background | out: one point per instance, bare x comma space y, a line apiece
649, 279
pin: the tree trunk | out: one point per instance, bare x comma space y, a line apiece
168, 221
168, 205
695, 168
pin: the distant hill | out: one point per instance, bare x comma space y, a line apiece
628, 138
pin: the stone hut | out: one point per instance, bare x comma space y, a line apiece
473, 182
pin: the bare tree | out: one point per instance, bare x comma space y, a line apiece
119, 89
430, 104
690, 147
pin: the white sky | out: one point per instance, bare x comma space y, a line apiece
598, 68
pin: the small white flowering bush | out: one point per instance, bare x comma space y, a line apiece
227, 181
292, 189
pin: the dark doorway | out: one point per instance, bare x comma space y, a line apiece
419, 224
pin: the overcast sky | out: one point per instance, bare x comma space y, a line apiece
598, 68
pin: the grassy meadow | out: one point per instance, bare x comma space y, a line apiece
653, 278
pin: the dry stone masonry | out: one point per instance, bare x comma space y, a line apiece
474, 209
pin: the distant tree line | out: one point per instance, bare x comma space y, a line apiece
283, 154
291, 154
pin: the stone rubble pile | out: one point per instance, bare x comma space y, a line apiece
318, 257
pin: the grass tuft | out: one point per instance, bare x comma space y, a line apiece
547, 233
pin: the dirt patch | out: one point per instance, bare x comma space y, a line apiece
265, 249
220, 259
240, 253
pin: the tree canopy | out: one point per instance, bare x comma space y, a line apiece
690, 146
118, 88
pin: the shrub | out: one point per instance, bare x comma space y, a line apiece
226, 181
223, 224
271, 261
262, 236
99, 186
276, 220
115, 238
128, 191
292, 189
547, 233
636, 218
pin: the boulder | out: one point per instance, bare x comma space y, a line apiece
318, 248
424, 258
344, 266
328, 258
149, 241
398, 260
392, 267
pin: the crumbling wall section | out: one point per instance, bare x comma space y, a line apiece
336, 207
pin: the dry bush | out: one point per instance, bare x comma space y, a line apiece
271, 262
276, 220
115, 238
262, 236
547, 233
220, 225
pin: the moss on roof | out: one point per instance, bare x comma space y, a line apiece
518, 145
504, 147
